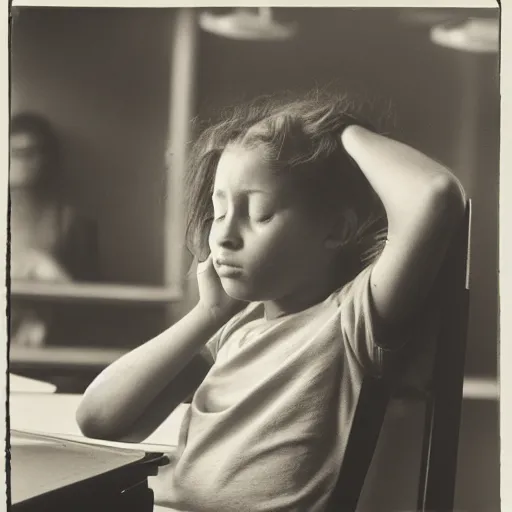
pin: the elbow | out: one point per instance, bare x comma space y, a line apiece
94, 423
447, 196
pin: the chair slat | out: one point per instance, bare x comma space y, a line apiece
441, 436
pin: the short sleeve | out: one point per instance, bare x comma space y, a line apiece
213, 345
381, 349
363, 330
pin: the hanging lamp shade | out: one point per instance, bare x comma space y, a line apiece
476, 35
251, 24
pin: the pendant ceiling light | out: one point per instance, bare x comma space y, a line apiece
471, 30
251, 24
476, 35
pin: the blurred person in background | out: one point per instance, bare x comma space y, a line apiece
49, 240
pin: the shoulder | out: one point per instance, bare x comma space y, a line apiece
360, 325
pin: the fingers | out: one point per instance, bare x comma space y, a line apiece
205, 265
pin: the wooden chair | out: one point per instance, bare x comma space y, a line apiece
443, 398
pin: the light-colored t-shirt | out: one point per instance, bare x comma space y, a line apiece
267, 428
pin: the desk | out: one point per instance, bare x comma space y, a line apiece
55, 414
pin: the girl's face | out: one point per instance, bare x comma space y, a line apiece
266, 244
26, 160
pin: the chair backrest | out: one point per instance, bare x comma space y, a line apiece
444, 399
442, 417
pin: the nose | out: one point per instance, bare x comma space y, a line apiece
227, 233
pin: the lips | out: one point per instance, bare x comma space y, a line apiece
226, 262
227, 268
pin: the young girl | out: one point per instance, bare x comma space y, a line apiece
295, 306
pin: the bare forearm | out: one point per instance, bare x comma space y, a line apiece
407, 181
118, 396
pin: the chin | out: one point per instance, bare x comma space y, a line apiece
240, 291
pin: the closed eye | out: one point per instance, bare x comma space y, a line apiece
266, 218
217, 215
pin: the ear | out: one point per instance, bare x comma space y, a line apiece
343, 229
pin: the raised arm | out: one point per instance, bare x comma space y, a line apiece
424, 202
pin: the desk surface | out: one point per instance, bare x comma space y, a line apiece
55, 414
43, 465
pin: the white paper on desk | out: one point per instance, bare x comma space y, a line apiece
144, 446
54, 414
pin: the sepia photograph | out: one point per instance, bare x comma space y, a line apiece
252, 259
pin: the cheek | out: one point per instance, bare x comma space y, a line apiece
287, 252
